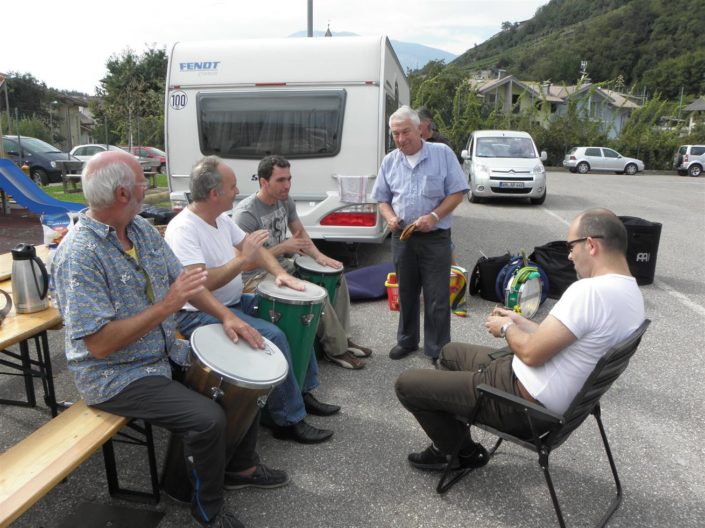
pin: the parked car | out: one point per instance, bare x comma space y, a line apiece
504, 164
586, 159
690, 159
150, 153
86, 152
39, 155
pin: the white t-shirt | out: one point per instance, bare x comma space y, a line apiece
600, 311
195, 241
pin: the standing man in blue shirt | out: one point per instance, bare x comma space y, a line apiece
119, 286
420, 183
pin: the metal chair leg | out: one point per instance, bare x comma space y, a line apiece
617, 500
543, 462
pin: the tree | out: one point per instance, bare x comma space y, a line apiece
132, 96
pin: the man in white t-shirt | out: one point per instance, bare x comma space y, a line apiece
204, 236
546, 363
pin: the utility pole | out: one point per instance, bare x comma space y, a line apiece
310, 19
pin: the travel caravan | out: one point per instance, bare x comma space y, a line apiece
323, 103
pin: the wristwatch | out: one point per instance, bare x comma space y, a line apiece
503, 329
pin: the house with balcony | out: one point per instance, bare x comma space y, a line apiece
507, 94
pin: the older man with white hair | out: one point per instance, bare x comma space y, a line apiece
119, 286
420, 183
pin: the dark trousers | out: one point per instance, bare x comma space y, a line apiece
423, 264
437, 398
201, 423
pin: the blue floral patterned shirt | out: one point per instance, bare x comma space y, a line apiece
97, 282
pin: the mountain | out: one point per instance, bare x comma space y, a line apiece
411, 56
656, 45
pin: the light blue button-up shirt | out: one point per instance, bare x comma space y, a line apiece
416, 192
97, 282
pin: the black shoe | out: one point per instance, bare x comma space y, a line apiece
262, 477
318, 408
302, 432
431, 459
225, 519
475, 458
398, 352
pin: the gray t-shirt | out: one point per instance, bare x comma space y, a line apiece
252, 214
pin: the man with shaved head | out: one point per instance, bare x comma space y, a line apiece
545, 363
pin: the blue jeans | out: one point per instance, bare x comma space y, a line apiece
285, 403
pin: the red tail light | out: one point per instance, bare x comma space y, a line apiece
573, 158
350, 219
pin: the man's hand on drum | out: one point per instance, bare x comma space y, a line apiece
235, 328
284, 279
188, 283
324, 260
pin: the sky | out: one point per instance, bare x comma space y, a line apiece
66, 43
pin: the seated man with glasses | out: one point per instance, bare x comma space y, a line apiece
545, 363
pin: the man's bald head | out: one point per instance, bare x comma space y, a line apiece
104, 173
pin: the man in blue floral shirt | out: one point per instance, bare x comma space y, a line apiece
118, 287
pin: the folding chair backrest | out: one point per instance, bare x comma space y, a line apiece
607, 370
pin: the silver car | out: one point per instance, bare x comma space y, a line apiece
690, 159
586, 159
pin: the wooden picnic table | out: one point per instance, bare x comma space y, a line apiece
70, 174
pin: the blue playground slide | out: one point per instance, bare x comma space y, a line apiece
26, 193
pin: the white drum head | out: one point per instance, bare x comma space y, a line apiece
311, 295
239, 362
308, 263
530, 297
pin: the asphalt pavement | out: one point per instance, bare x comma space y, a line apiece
652, 414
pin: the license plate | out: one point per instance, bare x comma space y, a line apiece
512, 185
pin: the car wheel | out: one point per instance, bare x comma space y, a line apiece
695, 170
583, 167
539, 200
630, 169
39, 176
473, 199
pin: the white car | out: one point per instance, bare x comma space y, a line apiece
586, 159
504, 164
86, 152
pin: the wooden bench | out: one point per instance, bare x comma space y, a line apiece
31, 468
70, 174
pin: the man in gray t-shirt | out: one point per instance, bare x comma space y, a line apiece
272, 208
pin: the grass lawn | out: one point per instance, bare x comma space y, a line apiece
57, 191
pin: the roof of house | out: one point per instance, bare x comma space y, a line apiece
557, 93
696, 106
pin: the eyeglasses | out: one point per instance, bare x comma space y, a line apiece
571, 243
143, 184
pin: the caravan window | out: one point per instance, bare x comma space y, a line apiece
255, 124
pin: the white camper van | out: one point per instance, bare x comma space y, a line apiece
323, 103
